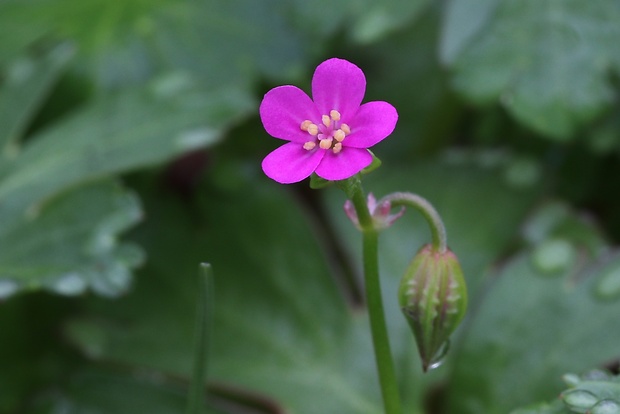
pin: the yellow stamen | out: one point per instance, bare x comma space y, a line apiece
309, 145
326, 121
313, 129
339, 135
337, 147
325, 143
334, 115
345, 128
304, 125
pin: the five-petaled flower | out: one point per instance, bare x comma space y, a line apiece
329, 135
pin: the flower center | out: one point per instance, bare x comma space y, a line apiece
329, 134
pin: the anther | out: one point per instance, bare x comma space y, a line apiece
309, 145
313, 129
325, 143
345, 128
326, 120
337, 147
339, 135
334, 115
304, 125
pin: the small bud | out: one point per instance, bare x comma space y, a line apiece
433, 298
380, 213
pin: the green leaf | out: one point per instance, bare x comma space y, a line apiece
226, 42
132, 129
529, 330
459, 186
101, 391
376, 19
547, 62
70, 244
281, 326
27, 83
595, 392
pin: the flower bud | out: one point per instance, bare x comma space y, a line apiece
380, 213
433, 298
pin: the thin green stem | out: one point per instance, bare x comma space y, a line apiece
204, 307
380, 339
438, 230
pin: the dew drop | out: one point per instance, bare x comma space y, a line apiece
553, 257
606, 407
608, 286
579, 399
8, 287
70, 284
597, 375
572, 380
439, 356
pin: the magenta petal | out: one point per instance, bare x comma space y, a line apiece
291, 163
373, 123
282, 111
345, 164
338, 84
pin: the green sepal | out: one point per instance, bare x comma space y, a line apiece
317, 182
376, 163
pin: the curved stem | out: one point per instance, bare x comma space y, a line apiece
380, 339
438, 230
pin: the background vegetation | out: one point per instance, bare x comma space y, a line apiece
130, 149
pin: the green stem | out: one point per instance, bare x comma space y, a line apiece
438, 230
380, 339
204, 307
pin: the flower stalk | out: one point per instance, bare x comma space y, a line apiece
374, 301
438, 229
202, 332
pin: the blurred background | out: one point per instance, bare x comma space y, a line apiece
130, 150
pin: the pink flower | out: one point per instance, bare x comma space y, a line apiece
329, 135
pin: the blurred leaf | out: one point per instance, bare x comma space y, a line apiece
227, 42
595, 392
30, 355
281, 327
376, 19
459, 189
548, 62
534, 323
70, 244
555, 408
403, 69
133, 129
94, 390
26, 85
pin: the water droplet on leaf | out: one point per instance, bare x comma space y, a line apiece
579, 399
606, 407
608, 286
69, 284
571, 380
7, 288
554, 257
